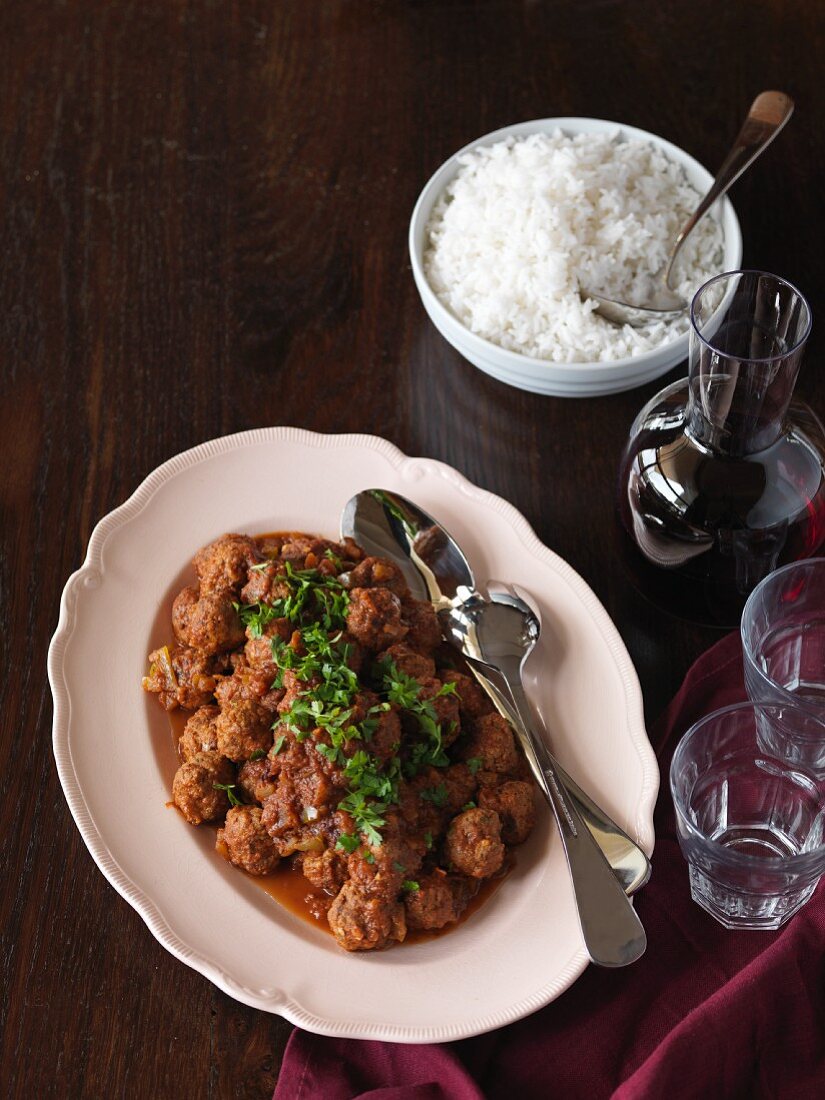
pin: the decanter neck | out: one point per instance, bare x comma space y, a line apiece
738, 407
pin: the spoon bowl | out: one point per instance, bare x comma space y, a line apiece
768, 114
388, 525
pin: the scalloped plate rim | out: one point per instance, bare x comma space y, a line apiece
277, 1000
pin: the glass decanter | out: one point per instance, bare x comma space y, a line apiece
723, 476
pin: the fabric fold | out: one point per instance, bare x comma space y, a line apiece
706, 1012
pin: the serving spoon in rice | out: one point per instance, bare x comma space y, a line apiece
768, 114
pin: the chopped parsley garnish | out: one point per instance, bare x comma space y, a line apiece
437, 795
366, 814
230, 793
428, 840
474, 764
256, 617
405, 691
315, 593
469, 806
328, 709
258, 754
410, 887
259, 568
308, 591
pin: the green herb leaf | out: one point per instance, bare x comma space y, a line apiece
474, 764
230, 793
258, 754
410, 887
347, 843
437, 795
336, 561
405, 692
256, 616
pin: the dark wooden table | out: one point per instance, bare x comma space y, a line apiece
204, 214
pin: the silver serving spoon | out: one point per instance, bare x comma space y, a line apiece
630, 864
499, 635
388, 525
768, 114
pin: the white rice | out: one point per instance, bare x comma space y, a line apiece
529, 221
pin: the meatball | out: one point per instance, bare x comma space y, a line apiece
472, 700
369, 727
423, 801
353, 654
473, 843
265, 585
194, 790
258, 651
181, 610
243, 727
408, 661
325, 870
374, 617
255, 781
446, 709
493, 744
199, 733
248, 844
294, 688
252, 684
209, 623
382, 740
378, 573
514, 803
181, 678
440, 899
380, 869
460, 785
295, 814
363, 922
281, 816
424, 633
223, 565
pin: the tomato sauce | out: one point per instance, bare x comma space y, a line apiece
288, 887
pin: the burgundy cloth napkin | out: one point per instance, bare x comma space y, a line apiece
705, 1013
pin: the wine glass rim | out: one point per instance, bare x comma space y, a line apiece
786, 698
750, 271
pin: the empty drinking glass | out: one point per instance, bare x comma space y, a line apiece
783, 643
751, 825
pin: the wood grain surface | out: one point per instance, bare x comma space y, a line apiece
203, 217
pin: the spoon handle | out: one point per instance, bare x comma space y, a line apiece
613, 934
629, 863
768, 114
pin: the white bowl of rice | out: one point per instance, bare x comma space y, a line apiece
509, 229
